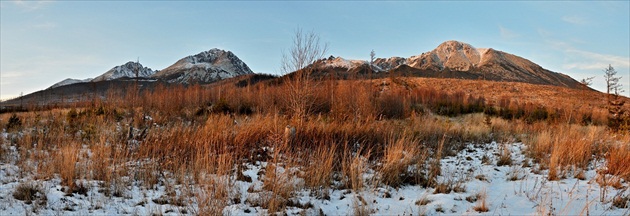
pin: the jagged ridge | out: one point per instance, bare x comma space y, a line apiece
205, 67
126, 70
461, 60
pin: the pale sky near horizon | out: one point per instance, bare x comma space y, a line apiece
44, 42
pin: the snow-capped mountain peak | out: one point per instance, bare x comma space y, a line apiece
387, 64
457, 59
205, 67
126, 70
348, 64
344, 63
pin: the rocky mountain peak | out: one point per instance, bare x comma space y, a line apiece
455, 59
457, 55
126, 70
205, 67
387, 64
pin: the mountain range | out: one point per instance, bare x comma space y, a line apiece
205, 67
451, 59
454, 59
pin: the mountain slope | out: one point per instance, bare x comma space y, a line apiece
389, 63
488, 63
454, 59
341, 63
205, 67
69, 81
126, 70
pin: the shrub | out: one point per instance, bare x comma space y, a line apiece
490, 111
221, 106
14, 122
72, 115
29, 193
392, 106
538, 114
621, 201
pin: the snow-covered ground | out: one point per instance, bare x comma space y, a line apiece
518, 189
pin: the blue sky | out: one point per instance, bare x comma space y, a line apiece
43, 42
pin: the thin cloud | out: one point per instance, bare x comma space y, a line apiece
544, 33
507, 34
594, 61
576, 20
580, 59
31, 5
45, 25
559, 45
10, 74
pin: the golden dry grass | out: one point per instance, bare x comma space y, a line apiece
482, 203
493, 91
180, 134
318, 171
400, 155
618, 161
68, 158
563, 148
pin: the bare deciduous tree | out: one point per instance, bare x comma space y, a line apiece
305, 51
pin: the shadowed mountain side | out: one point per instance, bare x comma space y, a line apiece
364, 72
85, 91
245, 80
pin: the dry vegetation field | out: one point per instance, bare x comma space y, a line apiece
386, 146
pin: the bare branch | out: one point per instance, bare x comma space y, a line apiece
300, 59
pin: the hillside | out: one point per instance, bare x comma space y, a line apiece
69, 81
79, 92
553, 97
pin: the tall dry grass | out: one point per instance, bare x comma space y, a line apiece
201, 136
402, 162
563, 148
354, 165
320, 167
68, 157
618, 161
217, 188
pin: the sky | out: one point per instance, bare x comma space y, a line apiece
44, 42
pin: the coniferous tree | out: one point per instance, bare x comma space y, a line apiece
614, 103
